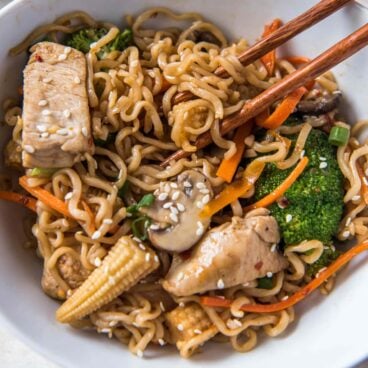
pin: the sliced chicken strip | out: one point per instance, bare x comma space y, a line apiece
231, 254
56, 119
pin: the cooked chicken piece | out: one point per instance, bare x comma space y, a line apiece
176, 223
56, 120
231, 254
70, 270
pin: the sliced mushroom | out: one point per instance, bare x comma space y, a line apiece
320, 105
177, 225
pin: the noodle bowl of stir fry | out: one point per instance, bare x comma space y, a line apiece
134, 254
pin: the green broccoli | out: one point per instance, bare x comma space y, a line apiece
328, 256
82, 39
312, 207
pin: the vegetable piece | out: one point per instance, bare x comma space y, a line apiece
186, 324
101, 143
364, 183
312, 207
82, 40
140, 227
269, 60
234, 191
229, 166
146, 201
284, 109
20, 199
265, 283
329, 255
46, 197
40, 172
339, 136
280, 190
297, 60
125, 264
319, 105
296, 297
124, 190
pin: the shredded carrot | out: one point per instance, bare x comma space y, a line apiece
269, 60
45, 197
284, 109
321, 277
24, 200
297, 60
234, 191
228, 167
364, 187
91, 227
282, 188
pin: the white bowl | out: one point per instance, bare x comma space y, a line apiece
328, 331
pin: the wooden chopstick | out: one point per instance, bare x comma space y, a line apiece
321, 64
297, 25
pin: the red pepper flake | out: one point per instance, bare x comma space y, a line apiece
258, 265
38, 58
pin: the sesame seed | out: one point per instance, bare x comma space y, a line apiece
201, 185
273, 247
161, 342
246, 284
76, 80
162, 306
220, 284
180, 276
140, 245
199, 204
181, 304
174, 185
167, 205
97, 262
148, 257
206, 199
29, 148
180, 207
85, 131
107, 221
175, 195
62, 57
289, 217
67, 113
62, 131
269, 274
46, 112
167, 188
154, 227
139, 353
96, 235
162, 196
67, 50
113, 323
69, 293
41, 128
197, 331
156, 258
174, 210
174, 217
93, 45
199, 231
45, 135
322, 158
356, 198
111, 280
136, 239
346, 234
42, 103
204, 191
323, 165
233, 324
199, 224
68, 196
187, 184
46, 80
180, 327
348, 221
302, 154
286, 297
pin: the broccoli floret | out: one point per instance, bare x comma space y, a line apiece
328, 256
314, 202
82, 39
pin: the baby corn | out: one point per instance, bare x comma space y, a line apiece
125, 264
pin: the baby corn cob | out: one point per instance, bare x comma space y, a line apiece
190, 327
125, 264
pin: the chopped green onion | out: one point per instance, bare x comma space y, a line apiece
123, 190
265, 283
101, 143
40, 172
339, 136
140, 226
145, 201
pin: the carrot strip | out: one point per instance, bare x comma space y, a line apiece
228, 167
91, 227
269, 60
20, 199
284, 110
297, 60
364, 187
234, 191
46, 197
296, 297
282, 188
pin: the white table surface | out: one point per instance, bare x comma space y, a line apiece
13, 353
